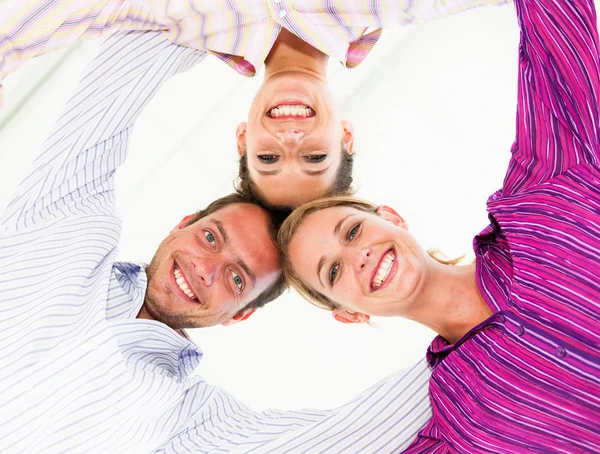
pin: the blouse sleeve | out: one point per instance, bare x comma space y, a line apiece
558, 86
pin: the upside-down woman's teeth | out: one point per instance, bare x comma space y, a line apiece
384, 270
291, 111
183, 284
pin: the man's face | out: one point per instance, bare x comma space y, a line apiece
205, 273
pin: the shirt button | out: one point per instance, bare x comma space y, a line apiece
282, 14
501, 318
560, 352
520, 330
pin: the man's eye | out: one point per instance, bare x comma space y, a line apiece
237, 280
209, 237
315, 158
268, 158
333, 273
353, 232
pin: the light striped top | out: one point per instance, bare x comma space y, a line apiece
79, 373
527, 380
239, 32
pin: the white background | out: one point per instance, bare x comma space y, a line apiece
434, 112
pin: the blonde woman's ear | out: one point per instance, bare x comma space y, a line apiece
390, 215
240, 137
346, 316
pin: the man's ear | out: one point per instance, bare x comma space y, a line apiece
348, 136
240, 137
346, 316
239, 317
183, 223
390, 215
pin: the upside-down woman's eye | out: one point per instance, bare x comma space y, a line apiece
333, 273
268, 158
315, 158
353, 232
237, 280
209, 237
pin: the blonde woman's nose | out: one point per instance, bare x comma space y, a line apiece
361, 257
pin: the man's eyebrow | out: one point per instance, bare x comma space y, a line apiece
247, 270
239, 261
221, 230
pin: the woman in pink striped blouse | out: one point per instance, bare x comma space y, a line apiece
516, 365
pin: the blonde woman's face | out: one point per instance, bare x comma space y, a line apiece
364, 262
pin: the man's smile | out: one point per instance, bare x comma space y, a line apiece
182, 284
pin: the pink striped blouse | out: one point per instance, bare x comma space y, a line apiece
527, 380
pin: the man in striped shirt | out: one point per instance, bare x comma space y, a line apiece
87, 365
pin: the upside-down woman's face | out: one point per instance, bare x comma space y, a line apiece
293, 139
365, 262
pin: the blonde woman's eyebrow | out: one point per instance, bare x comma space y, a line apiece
319, 268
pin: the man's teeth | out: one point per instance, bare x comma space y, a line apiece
384, 269
182, 284
291, 111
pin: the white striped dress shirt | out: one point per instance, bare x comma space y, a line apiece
240, 32
79, 372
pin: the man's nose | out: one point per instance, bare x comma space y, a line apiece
290, 135
205, 270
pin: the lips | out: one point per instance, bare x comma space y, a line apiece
182, 284
384, 270
291, 111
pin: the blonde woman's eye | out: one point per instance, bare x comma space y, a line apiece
237, 280
333, 273
209, 237
353, 232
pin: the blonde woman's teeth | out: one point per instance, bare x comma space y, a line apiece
384, 270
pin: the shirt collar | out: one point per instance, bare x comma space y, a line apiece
147, 342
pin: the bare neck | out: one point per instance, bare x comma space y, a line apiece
451, 303
290, 53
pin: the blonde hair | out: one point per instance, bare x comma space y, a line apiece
293, 222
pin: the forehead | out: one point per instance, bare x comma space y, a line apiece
248, 231
315, 238
324, 221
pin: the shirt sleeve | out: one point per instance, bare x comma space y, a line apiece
29, 28
558, 86
384, 419
74, 172
424, 10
